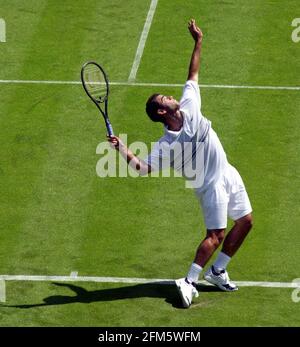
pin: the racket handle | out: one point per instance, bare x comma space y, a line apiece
109, 128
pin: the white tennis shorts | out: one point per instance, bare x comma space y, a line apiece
227, 197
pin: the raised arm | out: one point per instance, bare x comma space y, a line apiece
195, 59
135, 162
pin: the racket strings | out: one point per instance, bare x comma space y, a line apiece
95, 82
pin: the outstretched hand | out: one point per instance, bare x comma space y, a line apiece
195, 30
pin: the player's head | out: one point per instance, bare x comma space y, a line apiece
159, 106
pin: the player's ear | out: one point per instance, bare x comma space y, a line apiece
161, 111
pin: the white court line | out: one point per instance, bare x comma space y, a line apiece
38, 82
74, 274
164, 85
131, 280
143, 38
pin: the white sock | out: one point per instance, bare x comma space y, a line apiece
221, 261
193, 274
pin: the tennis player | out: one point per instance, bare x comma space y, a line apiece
222, 192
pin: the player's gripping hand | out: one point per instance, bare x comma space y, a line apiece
115, 142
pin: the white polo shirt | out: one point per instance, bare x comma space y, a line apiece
195, 136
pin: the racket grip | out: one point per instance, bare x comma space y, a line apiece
109, 129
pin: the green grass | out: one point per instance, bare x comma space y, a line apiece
57, 216
143, 305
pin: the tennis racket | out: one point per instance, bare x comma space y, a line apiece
96, 85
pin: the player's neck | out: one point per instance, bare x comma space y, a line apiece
175, 122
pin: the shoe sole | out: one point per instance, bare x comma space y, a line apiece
185, 300
224, 289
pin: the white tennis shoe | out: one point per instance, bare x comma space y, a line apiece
220, 279
186, 291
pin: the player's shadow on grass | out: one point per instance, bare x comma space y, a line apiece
149, 290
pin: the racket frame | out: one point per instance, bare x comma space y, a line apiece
98, 102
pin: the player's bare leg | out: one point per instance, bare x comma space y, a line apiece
217, 273
187, 286
208, 246
237, 235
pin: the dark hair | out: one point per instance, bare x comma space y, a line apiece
152, 107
